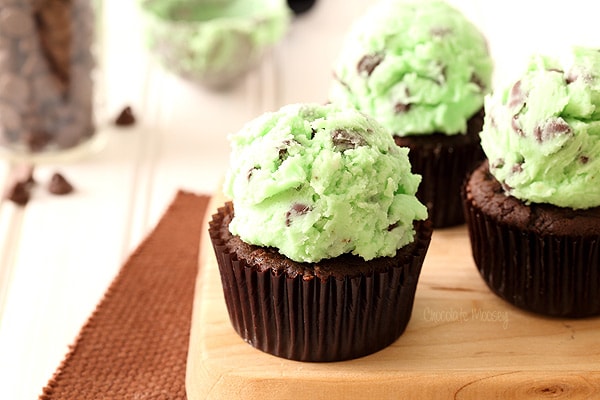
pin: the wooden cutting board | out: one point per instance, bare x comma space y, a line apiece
462, 342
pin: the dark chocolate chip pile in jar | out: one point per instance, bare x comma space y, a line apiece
46, 87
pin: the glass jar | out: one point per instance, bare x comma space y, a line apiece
46, 81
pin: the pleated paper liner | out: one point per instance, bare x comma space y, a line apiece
551, 275
443, 161
317, 319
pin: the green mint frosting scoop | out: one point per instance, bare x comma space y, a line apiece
542, 132
317, 181
417, 66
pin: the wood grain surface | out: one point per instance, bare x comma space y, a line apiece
462, 342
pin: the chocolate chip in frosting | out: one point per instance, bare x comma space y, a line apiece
517, 96
517, 168
59, 185
284, 149
392, 226
401, 108
584, 159
369, 62
345, 140
550, 129
498, 163
514, 123
296, 210
440, 31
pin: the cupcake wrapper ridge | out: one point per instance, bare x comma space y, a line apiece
551, 275
313, 319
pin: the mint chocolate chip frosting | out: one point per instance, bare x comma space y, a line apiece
542, 131
318, 181
417, 66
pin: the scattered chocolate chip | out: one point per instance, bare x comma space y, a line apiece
345, 140
296, 210
392, 227
59, 185
369, 62
125, 117
551, 129
19, 193
517, 97
584, 159
401, 108
313, 132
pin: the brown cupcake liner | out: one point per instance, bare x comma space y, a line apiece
443, 161
551, 275
317, 320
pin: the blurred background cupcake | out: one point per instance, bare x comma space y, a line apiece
533, 210
213, 42
421, 68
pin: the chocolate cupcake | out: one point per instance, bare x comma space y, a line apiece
422, 69
533, 210
321, 248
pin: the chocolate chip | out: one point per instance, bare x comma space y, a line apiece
369, 62
551, 129
392, 226
345, 140
440, 31
499, 163
574, 75
37, 140
251, 172
476, 79
59, 185
296, 210
125, 117
19, 193
283, 149
517, 168
401, 108
517, 97
584, 159
514, 123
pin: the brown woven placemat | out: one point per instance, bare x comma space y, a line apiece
135, 344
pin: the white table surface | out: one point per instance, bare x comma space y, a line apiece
58, 254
